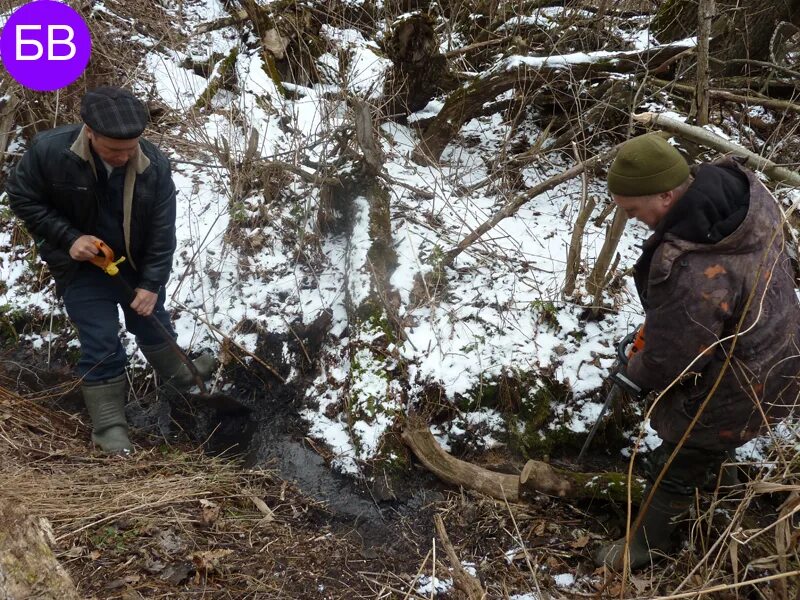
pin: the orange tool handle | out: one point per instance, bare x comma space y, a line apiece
638, 342
630, 345
105, 259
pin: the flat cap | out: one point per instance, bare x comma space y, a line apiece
646, 165
114, 112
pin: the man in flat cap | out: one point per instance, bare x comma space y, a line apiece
716, 283
99, 180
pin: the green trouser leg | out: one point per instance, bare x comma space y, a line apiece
105, 402
175, 375
692, 468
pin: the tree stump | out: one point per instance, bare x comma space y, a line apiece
28, 567
419, 71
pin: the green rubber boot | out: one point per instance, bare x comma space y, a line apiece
171, 369
653, 535
106, 405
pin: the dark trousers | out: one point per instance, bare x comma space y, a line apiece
91, 300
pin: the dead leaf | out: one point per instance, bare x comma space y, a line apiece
640, 583
209, 513
94, 554
153, 566
614, 589
262, 506
208, 562
75, 552
169, 542
580, 543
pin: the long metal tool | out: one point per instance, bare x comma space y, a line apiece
615, 392
106, 261
627, 347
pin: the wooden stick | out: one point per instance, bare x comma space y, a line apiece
461, 579
475, 46
512, 206
724, 588
731, 97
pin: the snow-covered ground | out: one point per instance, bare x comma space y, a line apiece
243, 259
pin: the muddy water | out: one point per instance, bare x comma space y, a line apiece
272, 447
271, 436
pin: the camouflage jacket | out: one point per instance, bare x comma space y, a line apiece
696, 296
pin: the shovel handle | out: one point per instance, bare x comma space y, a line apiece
105, 260
613, 393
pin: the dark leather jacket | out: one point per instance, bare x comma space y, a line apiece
54, 190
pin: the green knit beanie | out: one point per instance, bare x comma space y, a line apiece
646, 165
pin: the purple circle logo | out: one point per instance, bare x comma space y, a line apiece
45, 45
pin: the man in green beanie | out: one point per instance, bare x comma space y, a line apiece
715, 282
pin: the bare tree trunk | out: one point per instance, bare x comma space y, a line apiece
576, 243
28, 567
8, 107
740, 29
706, 13
596, 279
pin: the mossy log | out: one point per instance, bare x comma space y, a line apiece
28, 567
290, 39
536, 477
224, 78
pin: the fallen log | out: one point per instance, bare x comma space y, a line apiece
537, 477
28, 567
728, 96
458, 472
530, 73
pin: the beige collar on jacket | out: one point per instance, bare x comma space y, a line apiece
136, 166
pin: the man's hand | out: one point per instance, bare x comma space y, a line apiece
620, 377
144, 302
84, 248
